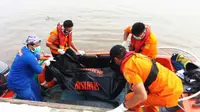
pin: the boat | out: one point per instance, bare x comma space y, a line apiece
187, 101
99, 60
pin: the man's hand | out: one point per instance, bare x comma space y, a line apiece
81, 52
47, 63
61, 51
124, 43
51, 59
120, 108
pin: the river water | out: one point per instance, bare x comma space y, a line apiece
98, 24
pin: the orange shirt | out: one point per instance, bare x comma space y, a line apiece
137, 68
150, 46
128, 29
54, 39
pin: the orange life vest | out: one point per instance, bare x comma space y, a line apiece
64, 41
138, 44
59, 39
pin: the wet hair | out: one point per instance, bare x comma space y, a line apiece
138, 28
68, 23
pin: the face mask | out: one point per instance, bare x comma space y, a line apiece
141, 36
66, 32
37, 49
137, 38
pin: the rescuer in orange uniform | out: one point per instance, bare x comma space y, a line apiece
60, 40
151, 83
142, 39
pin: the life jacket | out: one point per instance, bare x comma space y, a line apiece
64, 41
138, 44
152, 75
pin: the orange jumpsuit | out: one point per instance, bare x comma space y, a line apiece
164, 91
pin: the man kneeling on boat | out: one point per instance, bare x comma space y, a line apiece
60, 40
151, 83
142, 41
24, 67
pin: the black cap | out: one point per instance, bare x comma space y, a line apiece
117, 51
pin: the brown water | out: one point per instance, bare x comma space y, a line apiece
98, 24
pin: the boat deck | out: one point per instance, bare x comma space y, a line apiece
11, 105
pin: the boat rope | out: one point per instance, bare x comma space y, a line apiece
181, 107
